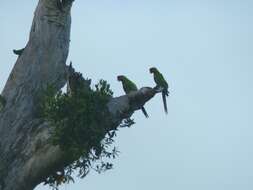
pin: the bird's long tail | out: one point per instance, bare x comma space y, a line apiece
164, 102
144, 112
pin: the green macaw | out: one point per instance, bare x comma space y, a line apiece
128, 87
161, 83
2, 102
18, 51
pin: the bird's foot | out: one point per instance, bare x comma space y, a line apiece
158, 89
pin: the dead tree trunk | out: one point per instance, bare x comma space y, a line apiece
26, 156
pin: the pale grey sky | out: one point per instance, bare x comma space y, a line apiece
203, 48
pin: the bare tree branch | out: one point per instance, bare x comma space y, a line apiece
26, 155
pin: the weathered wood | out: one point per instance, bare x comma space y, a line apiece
26, 155
41, 63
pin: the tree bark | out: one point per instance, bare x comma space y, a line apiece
26, 155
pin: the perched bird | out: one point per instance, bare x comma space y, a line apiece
18, 52
161, 83
128, 87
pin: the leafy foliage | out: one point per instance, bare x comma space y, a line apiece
81, 126
128, 122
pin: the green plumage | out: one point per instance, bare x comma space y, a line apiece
161, 83
128, 87
159, 79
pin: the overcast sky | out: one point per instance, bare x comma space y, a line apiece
203, 48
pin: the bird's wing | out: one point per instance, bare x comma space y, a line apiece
129, 86
160, 81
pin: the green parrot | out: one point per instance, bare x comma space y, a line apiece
2, 102
128, 87
18, 52
161, 83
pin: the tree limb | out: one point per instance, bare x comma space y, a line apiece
26, 155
